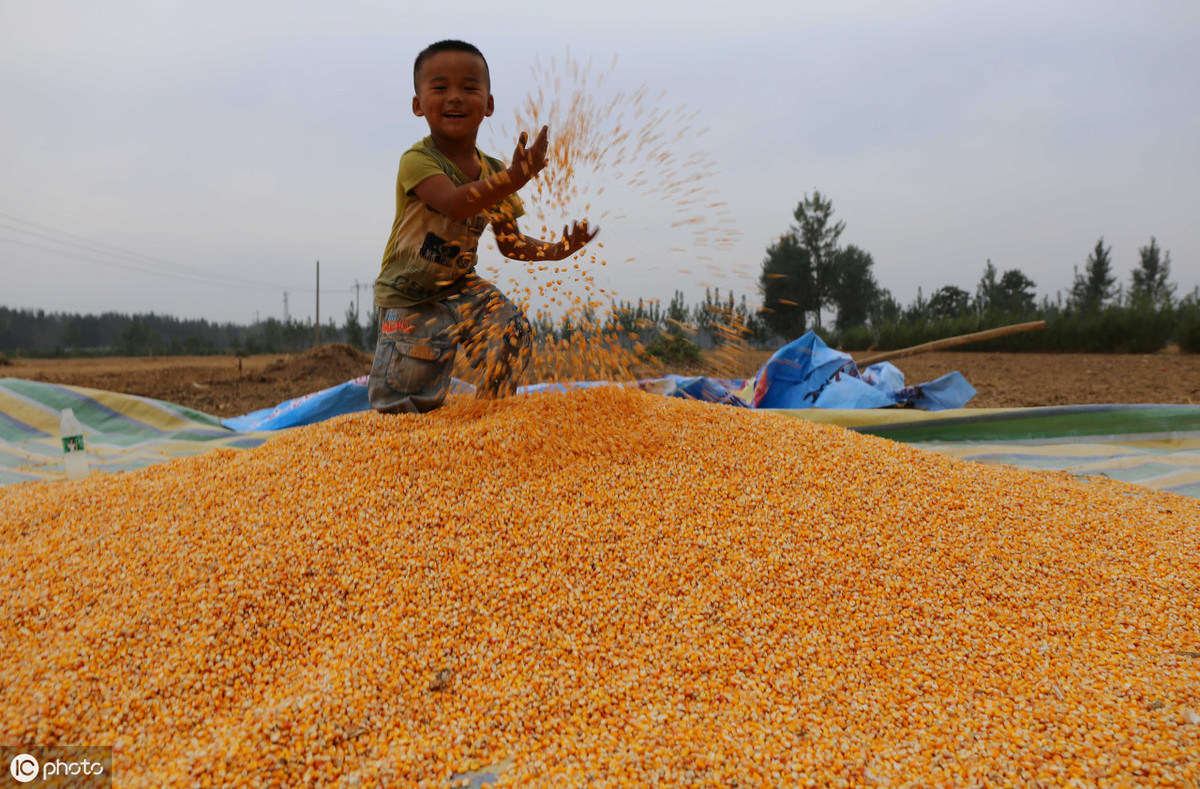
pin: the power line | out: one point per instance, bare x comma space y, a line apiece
89, 245
128, 266
135, 261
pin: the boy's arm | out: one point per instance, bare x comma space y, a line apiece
462, 202
512, 243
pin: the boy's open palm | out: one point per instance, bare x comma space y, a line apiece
532, 160
576, 237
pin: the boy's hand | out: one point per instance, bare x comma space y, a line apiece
575, 238
530, 161
512, 243
462, 202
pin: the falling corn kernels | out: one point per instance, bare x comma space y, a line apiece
630, 139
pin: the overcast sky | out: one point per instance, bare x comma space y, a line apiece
230, 145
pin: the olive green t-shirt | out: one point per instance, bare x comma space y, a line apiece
428, 255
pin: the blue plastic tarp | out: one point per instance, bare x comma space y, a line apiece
806, 373
708, 390
344, 398
351, 397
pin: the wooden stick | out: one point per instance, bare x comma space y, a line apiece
951, 342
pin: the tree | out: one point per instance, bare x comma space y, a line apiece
948, 302
634, 319
754, 328
297, 335
141, 337
1097, 285
787, 287
855, 291
818, 236
988, 293
371, 330
352, 331
1150, 280
73, 336
723, 321
1017, 295
707, 315
886, 311
543, 328
677, 313
918, 311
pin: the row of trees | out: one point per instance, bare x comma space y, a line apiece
708, 323
1093, 289
808, 272
1129, 321
40, 333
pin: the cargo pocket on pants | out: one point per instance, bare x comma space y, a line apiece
417, 366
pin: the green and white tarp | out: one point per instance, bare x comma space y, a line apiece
1155, 446
121, 432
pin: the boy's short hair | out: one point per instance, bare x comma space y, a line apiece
448, 45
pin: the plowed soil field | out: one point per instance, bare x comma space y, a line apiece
228, 386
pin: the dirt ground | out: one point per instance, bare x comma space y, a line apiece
229, 386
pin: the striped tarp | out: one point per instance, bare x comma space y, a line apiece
1155, 446
122, 432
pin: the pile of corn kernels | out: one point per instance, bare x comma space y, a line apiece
602, 587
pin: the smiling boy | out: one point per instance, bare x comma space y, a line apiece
431, 301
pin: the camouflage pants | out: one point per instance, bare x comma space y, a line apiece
414, 357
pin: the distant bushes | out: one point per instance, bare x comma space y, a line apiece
1187, 329
676, 335
858, 338
1110, 330
674, 349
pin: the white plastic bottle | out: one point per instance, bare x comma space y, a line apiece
74, 455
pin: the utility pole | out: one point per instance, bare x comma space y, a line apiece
356, 301
318, 304
285, 314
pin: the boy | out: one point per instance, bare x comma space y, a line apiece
447, 192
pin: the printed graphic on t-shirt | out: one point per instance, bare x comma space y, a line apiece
438, 251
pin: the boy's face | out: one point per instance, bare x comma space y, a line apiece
453, 95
